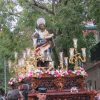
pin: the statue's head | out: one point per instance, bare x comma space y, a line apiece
41, 23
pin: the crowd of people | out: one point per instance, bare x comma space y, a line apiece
22, 94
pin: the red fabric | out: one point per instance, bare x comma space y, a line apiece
41, 49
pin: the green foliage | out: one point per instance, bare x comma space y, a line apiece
94, 9
65, 23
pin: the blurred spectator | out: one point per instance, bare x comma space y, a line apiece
98, 96
2, 94
13, 94
41, 95
24, 88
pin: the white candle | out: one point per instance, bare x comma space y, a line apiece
28, 51
24, 54
16, 55
66, 61
71, 51
9, 63
61, 55
52, 64
21, 62
49, 56
61, 59
83, 52
34, 42
42, 52
75, 42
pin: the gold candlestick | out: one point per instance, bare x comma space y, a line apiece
75, 57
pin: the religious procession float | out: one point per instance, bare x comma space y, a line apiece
36, 68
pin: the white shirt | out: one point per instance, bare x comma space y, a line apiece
42, 34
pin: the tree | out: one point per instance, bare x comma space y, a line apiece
63, 17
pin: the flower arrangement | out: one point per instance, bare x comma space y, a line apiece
54, 73
80, 71
21, 77
12, 81
58, 73
74, 89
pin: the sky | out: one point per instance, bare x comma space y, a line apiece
18, 9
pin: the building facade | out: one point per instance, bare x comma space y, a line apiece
93, 79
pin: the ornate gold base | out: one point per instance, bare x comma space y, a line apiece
76, 68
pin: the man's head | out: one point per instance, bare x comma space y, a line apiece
13, 94
41, 96
41, 93
41, 23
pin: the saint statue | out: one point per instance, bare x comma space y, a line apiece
42, 43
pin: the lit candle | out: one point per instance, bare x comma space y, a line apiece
83, 52
71, 51
75, 42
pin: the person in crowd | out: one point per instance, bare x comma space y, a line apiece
2, 94
41, 94
24, 89
98, 96
14, 93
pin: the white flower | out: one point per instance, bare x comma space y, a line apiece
52, 72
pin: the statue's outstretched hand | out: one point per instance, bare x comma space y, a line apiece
49, 36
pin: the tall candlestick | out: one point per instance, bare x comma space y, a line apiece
49, 56
9, 63
71, 51
28, 51
21, 62
34, 42
75, 42
61, 55
83, 52
66, 61
52, 64
61, 59
16, 55
24, 54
